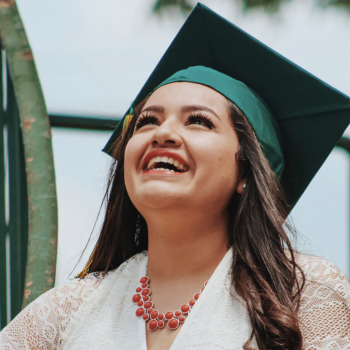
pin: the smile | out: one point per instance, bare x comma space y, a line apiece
166, 164
163, 162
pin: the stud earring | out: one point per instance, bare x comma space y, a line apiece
138, 229
244, 186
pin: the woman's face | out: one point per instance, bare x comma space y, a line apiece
183, 153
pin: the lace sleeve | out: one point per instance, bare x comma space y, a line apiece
324, 312
41, 324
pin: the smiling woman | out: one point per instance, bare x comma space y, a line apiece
208, 137
194, 249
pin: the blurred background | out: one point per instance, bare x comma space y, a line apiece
94, 57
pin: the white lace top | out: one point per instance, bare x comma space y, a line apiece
97, 313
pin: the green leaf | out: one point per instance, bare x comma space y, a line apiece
267, 5
183, 5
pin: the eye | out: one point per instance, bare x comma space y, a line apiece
146, 119
200, 119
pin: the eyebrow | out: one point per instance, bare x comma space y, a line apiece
155, 108
192, 108
184, 109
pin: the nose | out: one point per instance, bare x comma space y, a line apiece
166, 135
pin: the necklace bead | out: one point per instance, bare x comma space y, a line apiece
144, 279
196, 296
185, 308
182, 319
173, 323
140, 312
152, 325
154, 314
146, 292
169, 315
178, 313
136, 298
148, 304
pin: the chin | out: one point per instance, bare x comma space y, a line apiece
158, 198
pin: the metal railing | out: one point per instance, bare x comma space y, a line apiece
80, 122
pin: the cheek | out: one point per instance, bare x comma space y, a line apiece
216, 166
133, 154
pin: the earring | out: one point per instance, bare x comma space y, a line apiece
138, 229
244, 186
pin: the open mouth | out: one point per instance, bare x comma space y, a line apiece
166, 164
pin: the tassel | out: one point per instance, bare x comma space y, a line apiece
86, 269
128, 118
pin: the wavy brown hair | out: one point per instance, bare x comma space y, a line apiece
264, 271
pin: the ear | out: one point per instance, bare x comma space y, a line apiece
240, 189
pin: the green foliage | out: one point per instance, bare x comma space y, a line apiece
338, 3
271, 6
183, 5
267, 5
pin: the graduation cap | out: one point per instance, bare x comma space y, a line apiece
297, 118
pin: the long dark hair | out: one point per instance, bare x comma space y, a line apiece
264, 271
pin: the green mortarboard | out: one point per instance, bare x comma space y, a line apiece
297, 118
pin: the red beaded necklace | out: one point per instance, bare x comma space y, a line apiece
156, 319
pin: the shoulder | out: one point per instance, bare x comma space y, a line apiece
316, 266
324, 311
321, 273
77, 290
46, 318
72, 293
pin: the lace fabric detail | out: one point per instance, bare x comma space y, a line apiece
41, 324
96, 311
324, 312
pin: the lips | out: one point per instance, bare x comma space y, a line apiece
161, 161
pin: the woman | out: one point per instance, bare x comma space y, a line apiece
196, 213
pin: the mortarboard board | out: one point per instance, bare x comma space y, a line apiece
308, 115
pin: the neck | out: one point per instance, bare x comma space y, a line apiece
183, 246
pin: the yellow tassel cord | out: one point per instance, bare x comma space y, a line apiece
86, 269
127, 121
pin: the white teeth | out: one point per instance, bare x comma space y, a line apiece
176, 163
